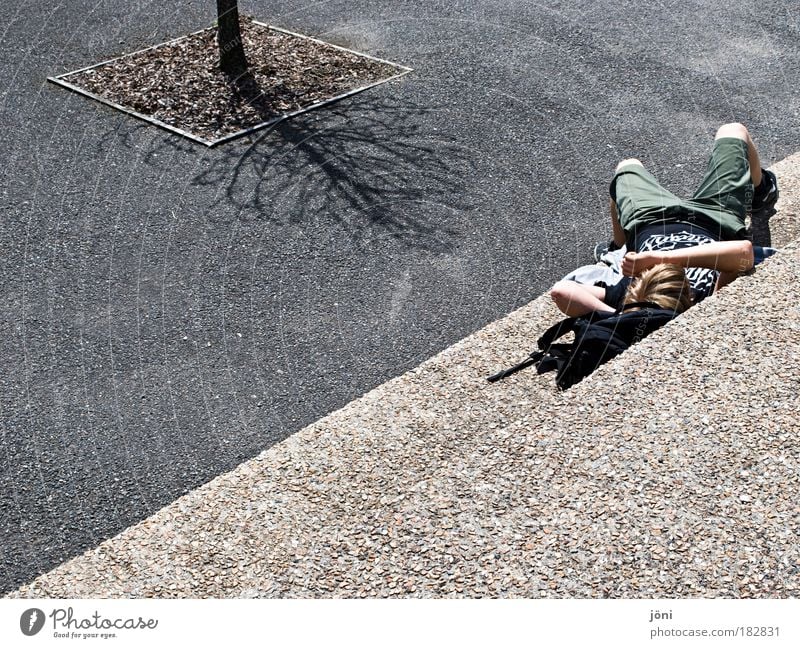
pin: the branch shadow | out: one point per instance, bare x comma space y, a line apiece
364, 165
373, 164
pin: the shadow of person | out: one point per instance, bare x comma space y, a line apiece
760, 230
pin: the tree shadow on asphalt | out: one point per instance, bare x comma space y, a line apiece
369, 164
365, 166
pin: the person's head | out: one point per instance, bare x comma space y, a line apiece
664, 284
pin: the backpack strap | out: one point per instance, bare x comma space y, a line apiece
533, 358
547, 349
599, 336
555, 332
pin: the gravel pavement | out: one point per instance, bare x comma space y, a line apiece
673, 471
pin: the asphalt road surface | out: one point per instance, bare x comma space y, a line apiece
169, 311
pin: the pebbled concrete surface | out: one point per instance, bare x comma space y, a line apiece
169, 312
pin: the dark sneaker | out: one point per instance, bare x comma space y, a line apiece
763, 202
603, 248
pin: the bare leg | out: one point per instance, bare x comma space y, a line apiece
740, 131
619, 233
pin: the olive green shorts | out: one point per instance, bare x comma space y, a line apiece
719, 205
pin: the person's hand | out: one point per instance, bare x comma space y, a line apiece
635, 263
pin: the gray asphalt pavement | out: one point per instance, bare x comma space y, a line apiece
169, 311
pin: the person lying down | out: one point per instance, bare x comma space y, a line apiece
672, 280
672, 252
667, 254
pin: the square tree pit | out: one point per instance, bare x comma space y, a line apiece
178, 84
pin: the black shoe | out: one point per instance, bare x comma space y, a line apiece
764, 199
602, 248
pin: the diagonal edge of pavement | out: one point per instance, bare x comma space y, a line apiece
669, 472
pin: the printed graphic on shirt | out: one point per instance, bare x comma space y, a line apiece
702, 280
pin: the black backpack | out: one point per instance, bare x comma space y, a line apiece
599, 336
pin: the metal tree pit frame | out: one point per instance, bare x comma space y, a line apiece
60, 80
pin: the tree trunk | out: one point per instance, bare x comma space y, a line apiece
231, 52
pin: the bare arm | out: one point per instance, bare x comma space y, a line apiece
574, 299
725, 256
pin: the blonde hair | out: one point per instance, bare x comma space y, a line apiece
664, 284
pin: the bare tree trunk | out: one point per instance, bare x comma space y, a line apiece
231, 52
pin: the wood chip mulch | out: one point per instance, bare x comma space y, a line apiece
180, 84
